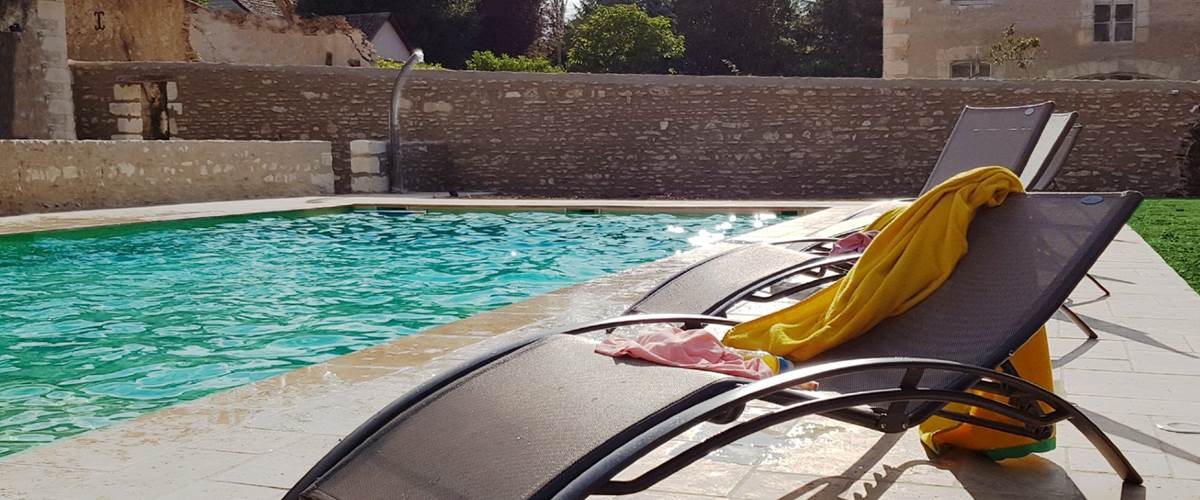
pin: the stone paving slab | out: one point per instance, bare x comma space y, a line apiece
254, 441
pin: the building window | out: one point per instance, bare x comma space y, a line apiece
970, 69
1113, 21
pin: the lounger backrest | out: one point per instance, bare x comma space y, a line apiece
1054, 139
1023, 260
1047, 176
990, 136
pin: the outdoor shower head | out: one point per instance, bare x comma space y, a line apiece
395, 183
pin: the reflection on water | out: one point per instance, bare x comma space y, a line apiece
100, 328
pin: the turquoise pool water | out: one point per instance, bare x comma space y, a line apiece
103, 325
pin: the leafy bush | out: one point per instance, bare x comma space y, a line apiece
623, 39
487, 61
386, 63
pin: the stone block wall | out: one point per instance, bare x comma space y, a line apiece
427, 167
578, 135
46, 176
35, 95
369, 166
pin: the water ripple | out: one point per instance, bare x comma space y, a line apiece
100, 326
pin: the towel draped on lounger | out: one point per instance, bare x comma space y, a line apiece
915, 251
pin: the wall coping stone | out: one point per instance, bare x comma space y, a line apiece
670, 80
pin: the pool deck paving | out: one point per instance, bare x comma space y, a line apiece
256, 440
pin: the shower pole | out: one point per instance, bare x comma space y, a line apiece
395, 182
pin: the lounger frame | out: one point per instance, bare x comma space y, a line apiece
894, 410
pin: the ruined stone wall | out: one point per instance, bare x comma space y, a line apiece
128, 30
35, 82
923, 37
664, 136
47, 176
237, 38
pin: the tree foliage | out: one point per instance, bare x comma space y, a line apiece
385, 63
738, 36
841, 38
623, 39
487, 61
1011, 48
754, 37
508, 26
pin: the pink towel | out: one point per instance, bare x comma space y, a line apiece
696, 349
853, 243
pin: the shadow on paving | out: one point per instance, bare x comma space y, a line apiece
1030, 477
1131, 334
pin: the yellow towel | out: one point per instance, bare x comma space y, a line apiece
914, 253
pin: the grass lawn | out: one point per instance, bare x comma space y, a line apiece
1172, 227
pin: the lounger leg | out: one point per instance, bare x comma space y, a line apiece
599, 479
1079, 322
1097, 283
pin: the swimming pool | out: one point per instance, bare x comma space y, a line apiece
102, 325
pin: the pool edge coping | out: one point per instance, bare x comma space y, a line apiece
99, 218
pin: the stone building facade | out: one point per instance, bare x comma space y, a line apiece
180, 30
35, 81
1090, 39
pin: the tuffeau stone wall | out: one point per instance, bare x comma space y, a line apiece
47, 176
628, 136
35, 81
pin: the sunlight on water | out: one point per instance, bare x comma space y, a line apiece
106, 325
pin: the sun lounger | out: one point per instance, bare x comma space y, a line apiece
712, 286
1051, 151
546, 417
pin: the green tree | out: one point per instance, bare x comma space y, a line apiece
738, 36
623, 39
840, 38
487, 61
1020, 50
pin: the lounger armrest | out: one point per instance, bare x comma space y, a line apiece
646, 319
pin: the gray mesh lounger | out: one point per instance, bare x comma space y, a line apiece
982, 136
990, 136
548, 418
1049, 155
715, 285
1031, 140
1047, 178
1051, 151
